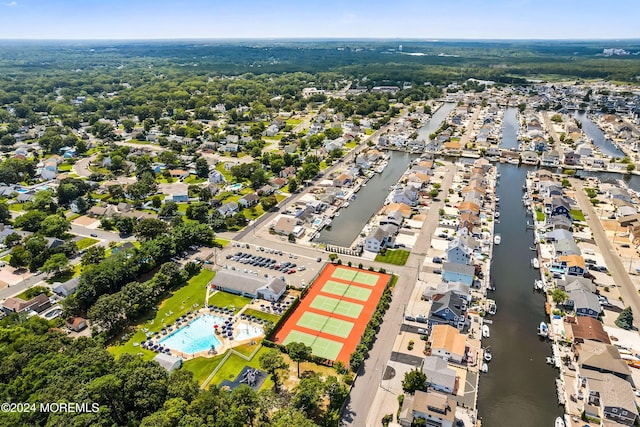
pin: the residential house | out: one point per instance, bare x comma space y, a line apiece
587, 328
404, 209
286, 225
406, 195
550, 158
571, 158
559, 206
249, 200
288, 171
584, 150
529, 157
619, 193
458, 252
593, 356
469, 207
440, 376
576, 283
559, 222
393, 217
436, 409
616, 400
179, 193
448, 343
270, 289
49, 169
179, 174
584, 303
460, 289
452, 272
448, 309
265, 190
377, 239
574, 265
278, 182
343, 180
67, 288
39, 303
228, 209
216, 177
76, 324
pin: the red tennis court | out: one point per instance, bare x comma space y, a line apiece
334, 313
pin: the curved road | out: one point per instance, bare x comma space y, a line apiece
618, 271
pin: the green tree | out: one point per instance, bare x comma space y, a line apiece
272, 361
30, 220
198, 211
298, 352
12, 239
414, 380
625, 319
293, 185
558, 296
202, 167
258, 178
268, 203
5, 215
94, 255
156, 201
56, 263
149, 228
125, 225
55, 226
169, 209
20, 257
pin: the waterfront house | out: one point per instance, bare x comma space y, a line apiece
285, 225
440, 376
619, 193
343, 180
404, 209
559, 222
584, 303
458, 252
448, 343
529, 157
468, 207
452, 272
378, 238
566, 246
584, 150
407, 195
559, 206
576, 283
393, 218
270, 289
617, 400
592, 356
587, 328
436, 409
571, 158
448, 309
550, 158
574, 265
460, 289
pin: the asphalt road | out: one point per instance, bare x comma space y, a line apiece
614, 263
358, 404
81, 167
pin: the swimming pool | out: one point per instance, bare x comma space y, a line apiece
317, 222
197, 336
248, 331
236, 187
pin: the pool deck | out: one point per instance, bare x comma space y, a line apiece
225, 343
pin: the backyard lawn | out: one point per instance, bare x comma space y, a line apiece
397, 257
577, 215
539, 216
234, 365
86, 242
181, 301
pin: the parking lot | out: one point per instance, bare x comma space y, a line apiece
264, 261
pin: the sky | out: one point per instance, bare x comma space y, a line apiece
395, 19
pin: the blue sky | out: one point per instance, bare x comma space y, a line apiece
424, 19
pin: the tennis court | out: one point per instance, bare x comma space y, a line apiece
344, 290
333, 305
326, 324
356, 276
334, 313
328, 349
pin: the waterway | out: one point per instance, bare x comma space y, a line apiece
594, 132
520, 387
510, 128
346, 227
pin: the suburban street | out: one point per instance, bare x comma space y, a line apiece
616, 268
358, 404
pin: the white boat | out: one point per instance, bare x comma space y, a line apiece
538, 284
345, 205
497, 199
543, 330
492, 307
549, 361
535, 263
496, 215
497, 239
337, 213
487, 354
559, 422
485, 368
485, 331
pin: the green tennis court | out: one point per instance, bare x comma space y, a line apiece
355, 276
344, 290
319, 346
326, 324
332, 305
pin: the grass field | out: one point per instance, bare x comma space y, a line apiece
577, 215
225, 299
234, 365
181, 301
86, 242
262, 315
397, 257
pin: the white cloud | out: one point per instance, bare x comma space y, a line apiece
10, 4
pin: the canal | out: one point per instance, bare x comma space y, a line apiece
346, 227
510, 128
594, 132
520, 387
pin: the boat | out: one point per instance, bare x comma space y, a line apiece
549, 361
497, 199
532, 248
497, 239
559, 422
487, 354
337, 213
492, 307
485, 331
535, 263
538, 284
345, 205
485, 367
543, 330
496, 215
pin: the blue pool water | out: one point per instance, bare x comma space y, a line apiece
237, 186
317, 222
197, 336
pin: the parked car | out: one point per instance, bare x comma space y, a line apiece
93, 235
437, 260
